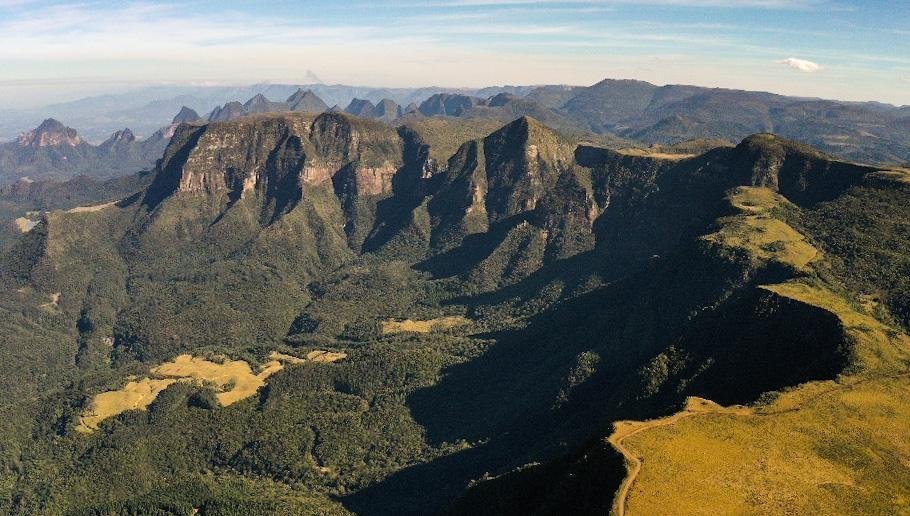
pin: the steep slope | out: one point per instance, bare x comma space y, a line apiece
306, 101
186, 116
229, 111
523, 198
754, 309
476, 278
259, 104
360, 107
387, 110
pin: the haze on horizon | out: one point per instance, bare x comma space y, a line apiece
839, 49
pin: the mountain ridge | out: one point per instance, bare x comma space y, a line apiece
596, 285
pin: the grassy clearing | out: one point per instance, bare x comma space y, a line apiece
323, 356
134, 395
897, 174
757, 231
635, 151
234, 379
90, 209
824, 448
623, 430
25, 225
409, 325
446, 135
53, 302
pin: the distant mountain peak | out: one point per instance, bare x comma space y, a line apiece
257, 101
229, 111
306, 100
51, 133
312, 78
360, 107
124, 135
449, 104
186, 115
500, 99
387, 110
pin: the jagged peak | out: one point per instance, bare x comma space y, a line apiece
255, 101
228, 111
124, 135
297, 95
387, 103
527, 127
51, 125
50, 133
306, 100
360, 107
448, 104
387, 109
185, 115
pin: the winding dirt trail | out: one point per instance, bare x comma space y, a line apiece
625, 429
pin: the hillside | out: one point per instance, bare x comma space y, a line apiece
304, 312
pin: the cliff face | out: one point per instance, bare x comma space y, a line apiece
254, 154
516, 200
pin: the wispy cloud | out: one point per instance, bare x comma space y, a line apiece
802, 65
757, 4
452, 42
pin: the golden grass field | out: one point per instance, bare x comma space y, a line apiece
233, 379
90, 209
820, 448
759, 233
647, 153
409, 325
823, 448
896, 173
831, 447
53, 302
25, 225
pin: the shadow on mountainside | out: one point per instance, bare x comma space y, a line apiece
631, 350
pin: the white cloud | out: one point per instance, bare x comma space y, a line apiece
800, 64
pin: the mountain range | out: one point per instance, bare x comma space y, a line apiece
633, 110
54, 151
468, 311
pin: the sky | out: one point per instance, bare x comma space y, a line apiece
840, 49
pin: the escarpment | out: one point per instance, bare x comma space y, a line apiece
277, 159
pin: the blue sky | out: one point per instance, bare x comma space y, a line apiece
853, 50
